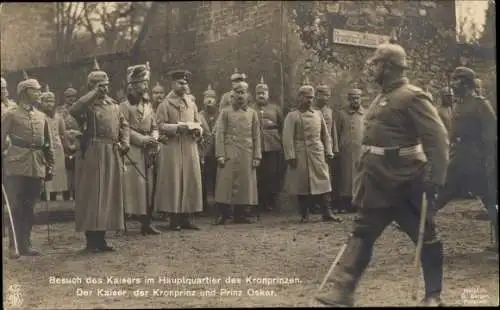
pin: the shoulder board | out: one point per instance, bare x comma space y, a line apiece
479, 97
414, 88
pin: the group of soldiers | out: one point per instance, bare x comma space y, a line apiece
160, 154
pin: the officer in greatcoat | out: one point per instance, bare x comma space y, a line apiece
138, 175
157, 95
26, 163
226, 99
271, 129
307, 146
73, 131
323, 94
58, 184
402, 131
238, 152
179, 189
473, 137
208, 119
105, 139
350, 130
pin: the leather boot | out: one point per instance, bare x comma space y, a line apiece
174, 222
186, 223
432, 269
27, 226
91, 242
326, 212
101, 242
240, 215
146, 227
348, 272
223, 211
303, 208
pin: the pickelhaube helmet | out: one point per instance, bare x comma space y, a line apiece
261, 86
209, 92
97, 75
138, 73
236, 76
391, 53
355, 92
464, 73
27, 83
306, 88
70, 91
47, 95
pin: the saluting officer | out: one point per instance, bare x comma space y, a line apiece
29, 160
106, 138
390, 177
138, 176
271, 128
473, 146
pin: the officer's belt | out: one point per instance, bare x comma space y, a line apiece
270, 127
103, 139
16, 141
142, 132
401, 151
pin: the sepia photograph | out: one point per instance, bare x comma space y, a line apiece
246, 154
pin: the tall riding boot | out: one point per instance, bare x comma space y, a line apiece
326, 212
432, 267
146, 227
304, 202
101, 242
240, 215
348, 272
186, 222
27, 224
223, 215
53, 196
91, 241
175, 223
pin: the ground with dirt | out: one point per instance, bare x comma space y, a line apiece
277, 247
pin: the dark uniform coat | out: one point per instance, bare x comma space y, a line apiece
179, 188
72, 133
237, 139
350, 132
142, 123
306, 139
400, 116
99, 197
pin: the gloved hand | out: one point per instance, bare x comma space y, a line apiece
329, 156
149, 141
292, 163
123, 149
183, 129
255, 163
221, 161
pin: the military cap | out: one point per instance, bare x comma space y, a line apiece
389, 52
323, 88
47, 95
209, 92
70, 91
236, 76
158, 88
464, 73
306, 88
97, 75
27, 83
261, 86
137, 73
355, 92
240, 85
4, 83
180, 75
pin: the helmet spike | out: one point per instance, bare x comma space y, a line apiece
47, 89
209, 87
147, 66
261, 79
306, 81
236, 70
25, 75
96, 65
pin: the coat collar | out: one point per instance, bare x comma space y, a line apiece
359, 111
177, 101
392, 85
237, 107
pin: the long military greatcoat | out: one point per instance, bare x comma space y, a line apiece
99, 197
179, 188
350, 131
73, 145
237, 140
59, 182
331, 125
138, 191
402, 115
306, 139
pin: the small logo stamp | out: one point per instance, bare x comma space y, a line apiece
474, 296
14, 296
